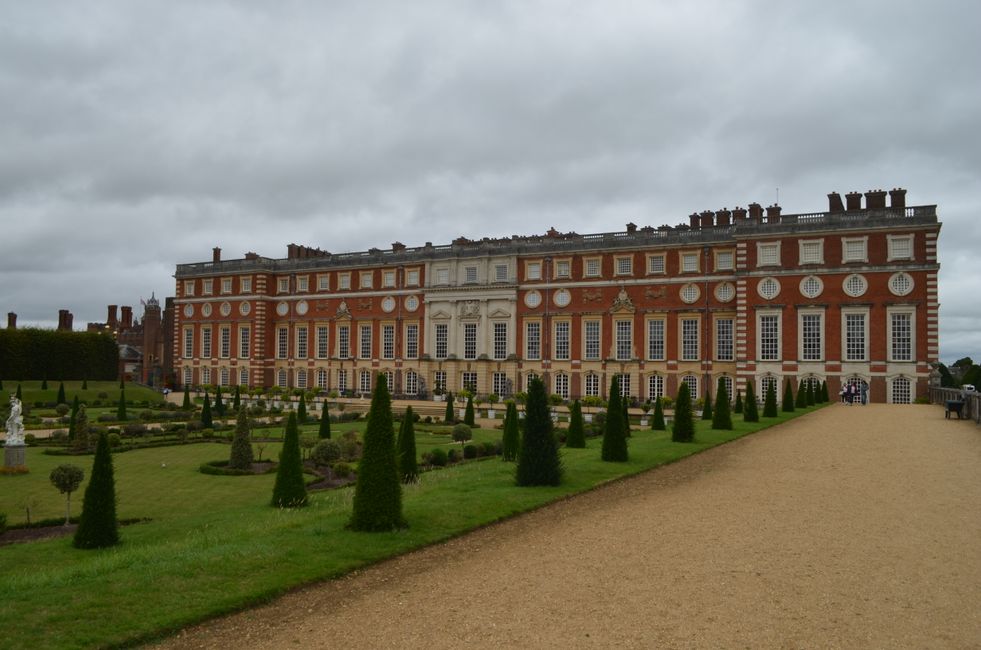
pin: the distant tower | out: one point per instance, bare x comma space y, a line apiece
153, 350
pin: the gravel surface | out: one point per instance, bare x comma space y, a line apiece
854, 527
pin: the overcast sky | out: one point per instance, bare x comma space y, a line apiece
138, 135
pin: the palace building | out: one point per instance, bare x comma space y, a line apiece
844, 295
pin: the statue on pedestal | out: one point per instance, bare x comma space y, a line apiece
15, 424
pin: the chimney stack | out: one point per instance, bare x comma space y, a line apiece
722, 217
11, 320
834, 203
111, 319
708, 219
215, 254
127, 318
738, 214
398, 247
875, 200
773, 213
693, 218
63, 320
897, 198
756, 212
631, 228
853, 201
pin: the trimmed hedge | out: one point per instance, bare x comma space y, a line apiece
31, 353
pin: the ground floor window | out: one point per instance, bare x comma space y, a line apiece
727, 382
501, 384
439, 381
766, 383
902, 392
243, 377
301, 378
411, 383
470, 381
592, 385
530, 377
342, 381
655, 387
205, 375
562, 385
322, 379
692, 382
624, 381
188, 376
281, 378
365, 381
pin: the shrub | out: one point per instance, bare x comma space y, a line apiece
453, 456
657, 422
468, 414
824, 392
121, 408
351, 449
614, 436
102, 394
576, 438
378, 492
470, 451
206, 420
722, 419
491, 448
684, 423
448, 416
67, 478
326, 452
146, 415
324, 431
438, 457
290, 490
462, 433
301, 410
538, 461
406, 446
342, 470
801, 401
114, 440
809, 393
98, 527
511, 441
707, 406
134, 429
770, 401
62, 409
59, 435
750, 411
241, 454
738, 406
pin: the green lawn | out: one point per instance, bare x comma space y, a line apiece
214, 545
31, 392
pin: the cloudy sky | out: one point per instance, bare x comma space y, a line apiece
138, 135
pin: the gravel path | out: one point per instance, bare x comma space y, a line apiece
854, 527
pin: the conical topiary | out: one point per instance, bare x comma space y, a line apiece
186, 405
538, 461
824, 392
85, 384
378, 493
44, 384
97, 527
738, 406
449, 417
658, 424
73, 420
61, 393
237, 399
722, 418
468, 414
406, 444
576, 437
788, 397
301, 409
81, 429
770, 401
614, 436
809, 394
19, 396
219, 403
324, 431
121, 407
751, 412
289, 490
206, 421
707, 408
684, 419
241, 456
511, 441
801, 400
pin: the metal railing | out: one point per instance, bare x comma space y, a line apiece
972, 401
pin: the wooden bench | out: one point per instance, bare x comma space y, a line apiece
954, 406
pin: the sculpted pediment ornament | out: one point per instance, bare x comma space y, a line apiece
469, 309
342, 310
653, 293
439, 313
500, 313
594, 295
623, 303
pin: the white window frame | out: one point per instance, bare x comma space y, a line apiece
560, 383
188, 342
343, 281
893, 241
364, 340
323, 341
366, 279
802, 342
470, 274
388, 341
500, 340
623, 265
689, 262
656, 264
500, 273
344, 341
388, 279
562, 333
688, 340
725, 339
188, 288
768, 253
470, 341
623, 331
592, 341
244, 341
206, 343
563, 268
591, 385
245, 284
441, 340
412, 277
282, 285
303, 283
589, 272
442, 276
910, 314
412, 341
225, 341
725, 260
854, 257
323, 282
655, 386
302, 342
207, 287
533, 340
282, 342
846, 356
811, 251
778, 335
226, 285
657, 329
533, 270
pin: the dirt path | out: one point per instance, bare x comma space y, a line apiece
856, 527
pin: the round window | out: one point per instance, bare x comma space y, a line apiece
901, 284
412, 303
188, 310
811, 286
562, 298
533, 299
225, 309
282, 309
690, 293
768, 288
724, 292
244, 308
855, 285
388, 304
206, 309
302, 307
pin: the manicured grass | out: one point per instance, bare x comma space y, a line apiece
31, 392
214, 544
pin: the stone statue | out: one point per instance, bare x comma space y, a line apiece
15, 423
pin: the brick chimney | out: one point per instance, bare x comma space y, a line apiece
631, 228
897, 198
111, 319
853, 201
69, 321
738, 214
11, 320
62, 317
708, 219
834, 203
773, 213
398, 247
215, 254
722, 217
251, 256
693, 218
756, 212
875, 200
127, 318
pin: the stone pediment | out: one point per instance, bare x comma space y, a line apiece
439, 314
499, 313
622, 304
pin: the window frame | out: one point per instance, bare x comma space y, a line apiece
763, 249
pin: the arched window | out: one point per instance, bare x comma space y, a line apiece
411, 383
224, 376
901, 391
390, 380
188, 376
562, 385
243, 377
592, 385
766, 382
655, 387
364, 380
322, 379
530, 377
692, 382
281, 378
301, 378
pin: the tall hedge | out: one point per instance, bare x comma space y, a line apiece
72, 421
538, 462
61, 393
219, 402
511, 441
324, 432
241, 455
206, 421
30, 353
378, 492
614, 436
824, 392
683, 429
788, 397
290, 490
97, 527
770, 401
468, 415
121, 407
576, 437
406, 445
707, 408
722, 418
449, 416
657, 424
801, 400
301, 409
751, 412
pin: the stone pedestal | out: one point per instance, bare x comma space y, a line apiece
13, 455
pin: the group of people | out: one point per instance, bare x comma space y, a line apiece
854, 393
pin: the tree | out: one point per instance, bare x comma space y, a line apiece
324, 431
73, 420
81, 429
187, 406
576, 437
684, 420
406, 445
462, 433
511, 441
625, 405
809, 394
206, 420
85, 384
219, 402
237, 399
738, 406
122, 383
301, 409
770, 401
61, 393
44, 384
121, 408
241, 454
538, 461
97, 527
378, 492
751, 412
787, 406
614, 437
290, 490
824, 392
449, 417
707, 408
468, 415
657, 424
722, 418
801, 400
19, 396
67, 478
